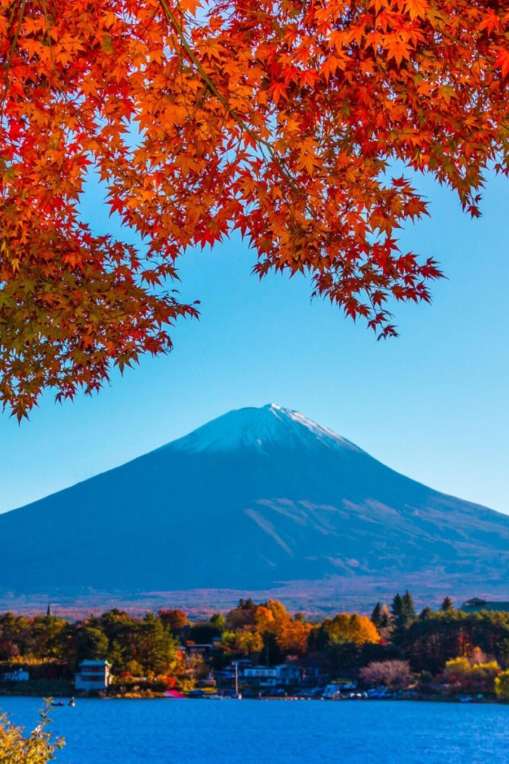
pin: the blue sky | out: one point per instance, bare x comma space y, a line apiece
432, 404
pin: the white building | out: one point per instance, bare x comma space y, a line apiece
262, 676
93, 676
284, 675
20, 675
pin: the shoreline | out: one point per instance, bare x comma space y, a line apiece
461, 700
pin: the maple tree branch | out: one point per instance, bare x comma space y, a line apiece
11, 51
50, 45
170, 16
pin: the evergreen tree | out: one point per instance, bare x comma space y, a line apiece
376, 615
407, 609
116, 657
157, 646
403, 615
396, 607
447, 605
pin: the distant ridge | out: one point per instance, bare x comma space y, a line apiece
259, 499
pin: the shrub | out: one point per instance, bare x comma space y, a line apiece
36, 748
502, 685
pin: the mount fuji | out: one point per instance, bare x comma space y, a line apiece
258, 500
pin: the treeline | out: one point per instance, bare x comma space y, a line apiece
445, 643
131, 644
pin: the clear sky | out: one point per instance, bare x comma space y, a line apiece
432, 404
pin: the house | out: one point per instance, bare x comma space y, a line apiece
288, 674
261, 675
19, 675
279, 676
93, 676
475, 605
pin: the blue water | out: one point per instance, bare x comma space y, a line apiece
253, 732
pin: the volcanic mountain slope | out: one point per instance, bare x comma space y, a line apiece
251, 500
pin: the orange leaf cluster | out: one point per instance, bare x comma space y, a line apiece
279, 118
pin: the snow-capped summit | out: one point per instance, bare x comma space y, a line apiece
262, 429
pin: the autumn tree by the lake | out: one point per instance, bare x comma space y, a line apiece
502, 685
280, 119
266, 628
393, 674
18, 747
347, 628
471, 676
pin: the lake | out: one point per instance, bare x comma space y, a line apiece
275, 732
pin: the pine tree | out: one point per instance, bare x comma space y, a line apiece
403, 614
447, 605
397, 607
156, 646
407, 609
376, 615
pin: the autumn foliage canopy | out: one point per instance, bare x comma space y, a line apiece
281, 119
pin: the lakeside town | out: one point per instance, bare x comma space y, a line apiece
261, 651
